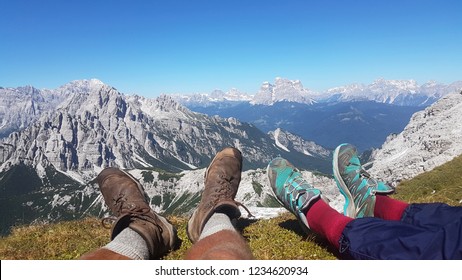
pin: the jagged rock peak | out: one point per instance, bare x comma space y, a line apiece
283, 90
216, 96
166, 103
84, 85
404, 85
432, 137
23, 105
163, 105
90, 95
398, 92
29, 90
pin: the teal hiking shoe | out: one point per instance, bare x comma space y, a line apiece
291, 190
355, 183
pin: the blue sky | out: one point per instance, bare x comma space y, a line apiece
170, 46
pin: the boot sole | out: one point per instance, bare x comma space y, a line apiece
349, 209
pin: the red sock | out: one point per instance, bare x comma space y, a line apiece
326, 221
388, 208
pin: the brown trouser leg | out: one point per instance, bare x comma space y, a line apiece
222, 245
103, 254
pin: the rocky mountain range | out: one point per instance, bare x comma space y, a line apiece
365, 123
21, 106
48, 164
46, 167
357, 113
432, 137
396, 92
97, 126
283, 90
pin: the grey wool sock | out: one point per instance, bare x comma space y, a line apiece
130, 244
216, 223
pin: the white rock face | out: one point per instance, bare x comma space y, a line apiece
288, 141
96, 126
21, 106
397, 92
283, 90
216, 96
432, 137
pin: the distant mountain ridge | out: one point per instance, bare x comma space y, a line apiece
396, 92
365, 123
357, 113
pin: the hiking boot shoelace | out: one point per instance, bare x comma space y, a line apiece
364, 175
225, 191
298, 180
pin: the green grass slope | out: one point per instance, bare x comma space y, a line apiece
442, 184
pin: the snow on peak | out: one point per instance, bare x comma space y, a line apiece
233, 95
395, 85
84, 84
398, 92
276, 139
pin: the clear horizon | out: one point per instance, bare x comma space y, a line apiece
153, 47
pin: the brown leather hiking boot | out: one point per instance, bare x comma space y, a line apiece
222, 179
128, 201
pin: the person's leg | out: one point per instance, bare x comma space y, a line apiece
388, 208
128, 244
364, 238
219, 240
210, 228
374, 238
432, 216
366, 196
137, 232
104, 254
355, 183
327, 222
426, 215
411, 231
303, 200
